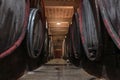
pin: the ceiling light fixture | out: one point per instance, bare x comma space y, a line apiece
58, 23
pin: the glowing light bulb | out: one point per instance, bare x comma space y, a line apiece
58, 23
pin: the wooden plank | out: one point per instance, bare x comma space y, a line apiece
54, 20
63, 24
63, 7
59, 3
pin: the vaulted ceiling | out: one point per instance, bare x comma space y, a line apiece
59, 14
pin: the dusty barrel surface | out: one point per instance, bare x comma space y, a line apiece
36, 39
35, 34
65, 49
90, 32
13, 24
90, 29
103, 17
51, 49
110, 10
74, 41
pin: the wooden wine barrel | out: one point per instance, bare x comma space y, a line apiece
45, 48
39, 4
90, 29
90, 32
35, 34
111, 30
51, 50
71, 55
13, 24
69, 45
110, 57
65, 49
75, 41
34, 3
110, 10
35, 39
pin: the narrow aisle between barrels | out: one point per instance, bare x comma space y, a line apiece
58, 69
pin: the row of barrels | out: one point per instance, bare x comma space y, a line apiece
93, 39
24, 42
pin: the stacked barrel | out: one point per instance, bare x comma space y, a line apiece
92, 42
23, 37
72, 43
93, 39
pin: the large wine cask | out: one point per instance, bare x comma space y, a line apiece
37, 36
90, 29
90, 32
110, 10
75, 48
13, 25
35, 39
110, 18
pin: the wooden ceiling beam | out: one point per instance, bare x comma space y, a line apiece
59, 2
58, 28
63, 7
55, 20
61, 25
58, 33
58, 37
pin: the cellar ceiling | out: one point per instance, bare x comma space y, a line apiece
59, 15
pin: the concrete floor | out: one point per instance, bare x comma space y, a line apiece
58, 72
